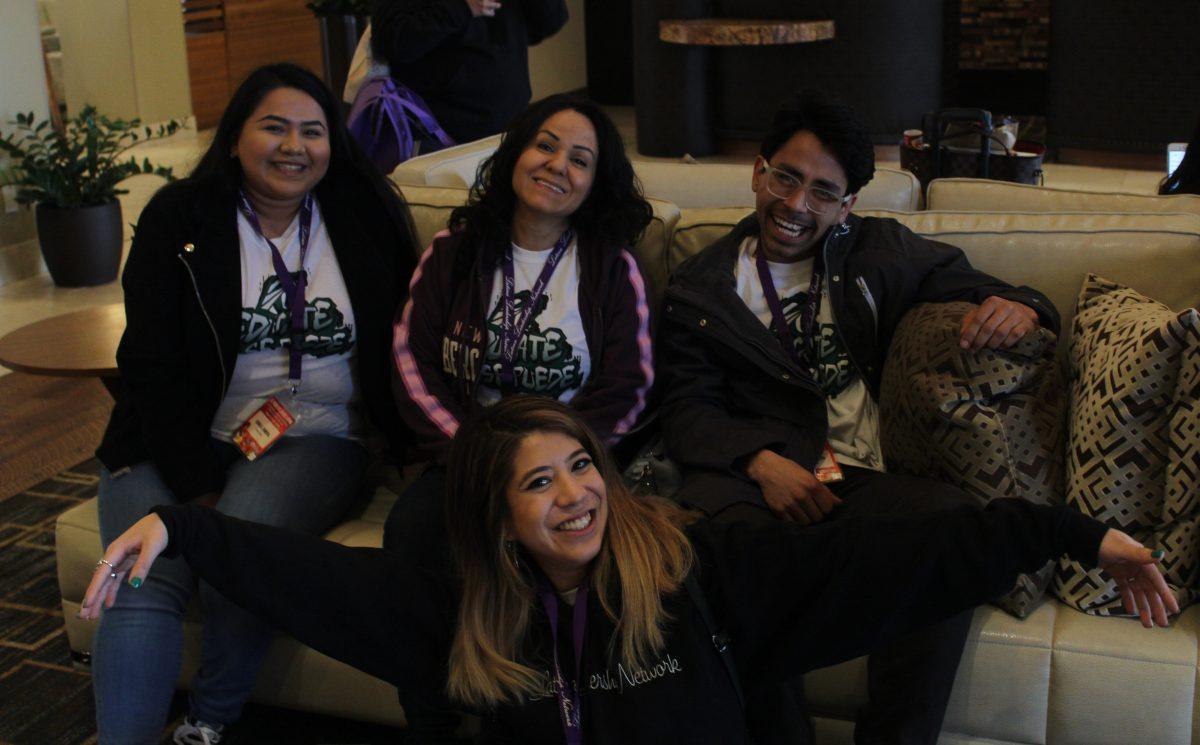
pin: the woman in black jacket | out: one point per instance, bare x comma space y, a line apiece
587, 615
259, 293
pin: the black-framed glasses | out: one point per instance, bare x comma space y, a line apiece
817, 199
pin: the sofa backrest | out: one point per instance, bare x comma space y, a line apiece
430, 207
453, 166
965, 194
1156, 254
705, 185
688, 185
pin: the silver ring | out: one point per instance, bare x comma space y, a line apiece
105, 562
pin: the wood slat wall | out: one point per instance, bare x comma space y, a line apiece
228, 39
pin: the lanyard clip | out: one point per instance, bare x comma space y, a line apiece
293, 386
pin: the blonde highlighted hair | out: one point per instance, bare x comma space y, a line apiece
644, 555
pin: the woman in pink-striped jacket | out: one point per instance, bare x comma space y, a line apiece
533, 289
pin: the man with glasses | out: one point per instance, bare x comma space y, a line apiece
773, 342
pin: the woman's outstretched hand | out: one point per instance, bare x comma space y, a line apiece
1135, 569
131, 554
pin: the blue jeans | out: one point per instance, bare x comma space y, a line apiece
303, 484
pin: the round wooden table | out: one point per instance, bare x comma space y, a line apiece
82, 344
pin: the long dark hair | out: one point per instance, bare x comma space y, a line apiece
1186, 178
614, 213
349, 168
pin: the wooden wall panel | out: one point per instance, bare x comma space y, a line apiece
208, 71
241, 13
296, 41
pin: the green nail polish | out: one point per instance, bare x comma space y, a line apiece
136, 582
1158, 553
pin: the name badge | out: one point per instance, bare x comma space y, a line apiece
263, 428
827, 469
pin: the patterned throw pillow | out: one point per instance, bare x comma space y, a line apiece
1133, 457
989, 422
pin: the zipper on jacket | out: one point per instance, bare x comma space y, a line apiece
866, 292
838, 232
211, 326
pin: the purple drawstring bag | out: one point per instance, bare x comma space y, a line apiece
383, 119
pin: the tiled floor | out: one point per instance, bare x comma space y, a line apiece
29, 300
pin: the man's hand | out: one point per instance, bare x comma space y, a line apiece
483, 7
996, 323
791, 491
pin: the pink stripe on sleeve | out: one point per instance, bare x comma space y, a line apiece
410, 372
645, 355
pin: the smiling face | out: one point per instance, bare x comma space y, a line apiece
283, 147
554, 173
558, 506
788, 231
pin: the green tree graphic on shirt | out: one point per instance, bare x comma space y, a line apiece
266, 326
545, 363
834, 369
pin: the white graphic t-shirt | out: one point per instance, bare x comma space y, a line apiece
552, 355
853, 414
327, 402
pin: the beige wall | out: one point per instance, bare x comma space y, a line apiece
560, 63
22, 76
127, 57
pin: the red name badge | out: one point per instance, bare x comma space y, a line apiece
828, 469
261, 430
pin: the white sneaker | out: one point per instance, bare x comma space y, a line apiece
193, 732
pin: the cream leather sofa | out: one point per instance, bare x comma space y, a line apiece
971, 194
687, 185
1058, 677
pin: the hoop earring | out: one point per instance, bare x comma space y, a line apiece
514, 555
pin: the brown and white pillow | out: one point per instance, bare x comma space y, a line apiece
1133, 455
989, 422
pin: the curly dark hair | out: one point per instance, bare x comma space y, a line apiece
1186, 178
614, 212
834, 124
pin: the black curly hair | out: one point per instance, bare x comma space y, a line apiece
834, 124
614, 212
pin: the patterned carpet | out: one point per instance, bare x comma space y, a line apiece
44, 698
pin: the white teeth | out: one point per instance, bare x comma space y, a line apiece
294, 167
549, 185
578, 523
791, 228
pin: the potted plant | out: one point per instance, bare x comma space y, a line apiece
342, 23
72, 175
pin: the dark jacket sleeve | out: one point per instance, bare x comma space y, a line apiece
949, 277
153, 361
543, 18
799, 598
612, 399
423, 395
699, 427
404, 31
380, 612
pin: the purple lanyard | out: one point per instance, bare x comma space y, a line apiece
514, 327
567, 693
293, 287
808, 313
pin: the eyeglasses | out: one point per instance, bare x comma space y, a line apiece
817, 200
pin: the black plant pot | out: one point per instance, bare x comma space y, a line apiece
81, 245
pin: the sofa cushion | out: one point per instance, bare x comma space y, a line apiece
1133, 452
1050, 251
452, 166
994, 196
430, 207
989, 422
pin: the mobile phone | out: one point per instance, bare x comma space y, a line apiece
1175, 153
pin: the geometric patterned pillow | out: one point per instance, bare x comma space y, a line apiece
989, 422
1133, 455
